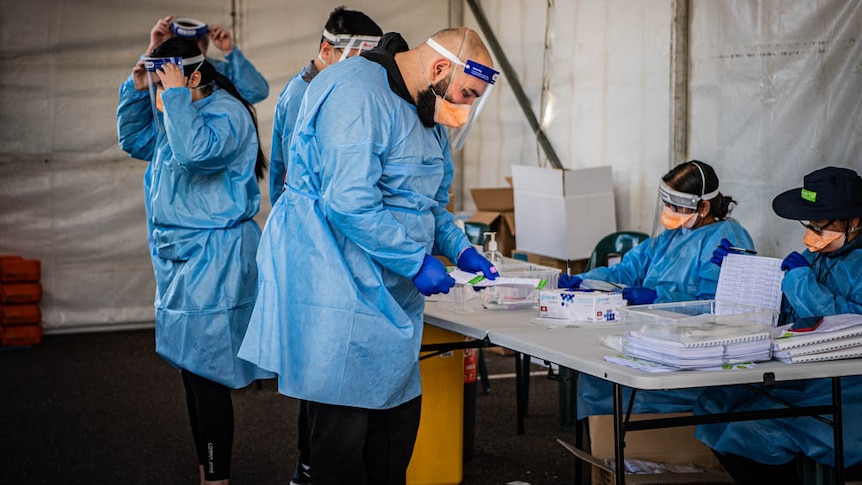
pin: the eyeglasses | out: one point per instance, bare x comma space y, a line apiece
814, 227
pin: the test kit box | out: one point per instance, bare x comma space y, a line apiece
495, 207
580, 306
563, 213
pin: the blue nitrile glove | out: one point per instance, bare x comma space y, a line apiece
471, 261
721, 251
724, 248
569, 281
638, 295
432, 277
794, 260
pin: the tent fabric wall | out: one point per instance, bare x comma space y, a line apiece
773, 94
68, 195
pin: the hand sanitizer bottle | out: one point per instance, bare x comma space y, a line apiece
494, 256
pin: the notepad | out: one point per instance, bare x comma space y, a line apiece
848, 353
829, 346
750, 280
810, 338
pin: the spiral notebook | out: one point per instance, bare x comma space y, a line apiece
821, 335
848, 353
828, 346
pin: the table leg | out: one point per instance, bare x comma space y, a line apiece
619, 436
838, 430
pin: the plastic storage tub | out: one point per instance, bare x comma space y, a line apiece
465, 299
698, 334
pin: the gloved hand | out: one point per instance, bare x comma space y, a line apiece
471, 261
569, 281
794, 260
638, 295
723, 249
432, 277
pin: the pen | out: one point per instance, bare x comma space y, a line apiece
742, 250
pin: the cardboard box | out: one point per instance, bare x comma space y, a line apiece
576, 266
563, 213
496, 208
672, 446
580, 306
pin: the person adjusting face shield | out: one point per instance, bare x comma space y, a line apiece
248, 81
823, 280
364, 210
673, 265
347, 33
200, 196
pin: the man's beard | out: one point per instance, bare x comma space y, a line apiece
426, 103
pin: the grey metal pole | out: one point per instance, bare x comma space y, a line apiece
512, 80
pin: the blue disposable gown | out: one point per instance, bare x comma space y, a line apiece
242, 73
676, 264
338, 316
200, 194
830, 286
284, 118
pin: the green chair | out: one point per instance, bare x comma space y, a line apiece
614, 245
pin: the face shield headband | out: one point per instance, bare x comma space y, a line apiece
154, 64
486, 76
189, 28
349, 42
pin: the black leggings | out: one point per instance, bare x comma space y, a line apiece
211, 416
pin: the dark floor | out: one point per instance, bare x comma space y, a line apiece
103, 408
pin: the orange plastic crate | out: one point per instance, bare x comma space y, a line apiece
17, 293
19, 335
18, 270
26, 314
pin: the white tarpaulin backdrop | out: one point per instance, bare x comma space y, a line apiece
774, 93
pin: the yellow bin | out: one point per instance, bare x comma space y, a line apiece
438, 454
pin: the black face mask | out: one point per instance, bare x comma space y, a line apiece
426, 102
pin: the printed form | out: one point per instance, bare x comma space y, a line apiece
750, 280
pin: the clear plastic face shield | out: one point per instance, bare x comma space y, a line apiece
475, 81
677, 210
152, 66
349, 45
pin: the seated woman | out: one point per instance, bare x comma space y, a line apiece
672, 266
826, 279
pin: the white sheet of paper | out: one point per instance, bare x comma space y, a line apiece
750, 280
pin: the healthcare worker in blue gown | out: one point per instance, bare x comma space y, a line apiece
248, 81
678, 264
825, 279
200, 195
346, 256
347, 33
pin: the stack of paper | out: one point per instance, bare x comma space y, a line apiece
699, 345
836, 337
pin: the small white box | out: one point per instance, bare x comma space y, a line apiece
562, 213
580, 306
